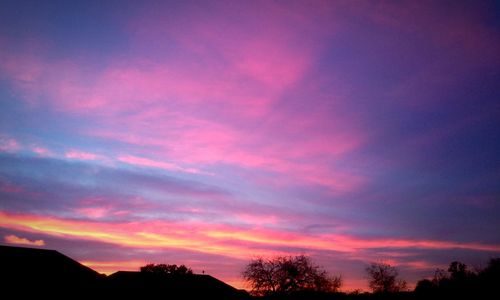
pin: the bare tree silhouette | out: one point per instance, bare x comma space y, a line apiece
287, 274
383, 278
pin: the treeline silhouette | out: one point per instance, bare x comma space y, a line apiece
460, 281
288, 277
38, 273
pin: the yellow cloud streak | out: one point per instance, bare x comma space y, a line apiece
218, 240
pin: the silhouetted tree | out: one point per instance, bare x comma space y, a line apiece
459, 281
439, 276
492, 271
490, 278
164, 269
383, 278
425, 286
440, 280
287, 274
458, 271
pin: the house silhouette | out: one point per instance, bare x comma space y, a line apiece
48, 273
29, 271
192, 286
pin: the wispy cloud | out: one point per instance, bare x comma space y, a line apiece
145, 162
8, 144
216, 239
42, 151
344, 129
82, 155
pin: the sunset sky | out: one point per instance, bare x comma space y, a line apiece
208, 133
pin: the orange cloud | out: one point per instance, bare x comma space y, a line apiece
12, 239
215, 239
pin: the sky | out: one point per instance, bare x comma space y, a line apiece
209, 133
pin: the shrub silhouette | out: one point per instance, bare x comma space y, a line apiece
425, 286
164, 269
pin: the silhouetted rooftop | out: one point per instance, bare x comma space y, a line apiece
50, 273
45, 272
194, 285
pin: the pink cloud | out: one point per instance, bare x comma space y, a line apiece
12, 239
271, 44
145, 162
217, 239
80, 155
8, 187
202, 107
93, 212
232, 242
14, 188
193, 141
8, 144
106, 207
22, 68
199, 109
248, 98
41, 151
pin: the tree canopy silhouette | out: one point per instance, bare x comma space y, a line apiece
383, 278
165, 269
288, 274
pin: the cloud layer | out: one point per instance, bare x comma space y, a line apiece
205, 133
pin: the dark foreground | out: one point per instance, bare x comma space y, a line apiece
48, 274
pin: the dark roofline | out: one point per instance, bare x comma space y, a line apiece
30, 248
53, 252
139, 272
37, 251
